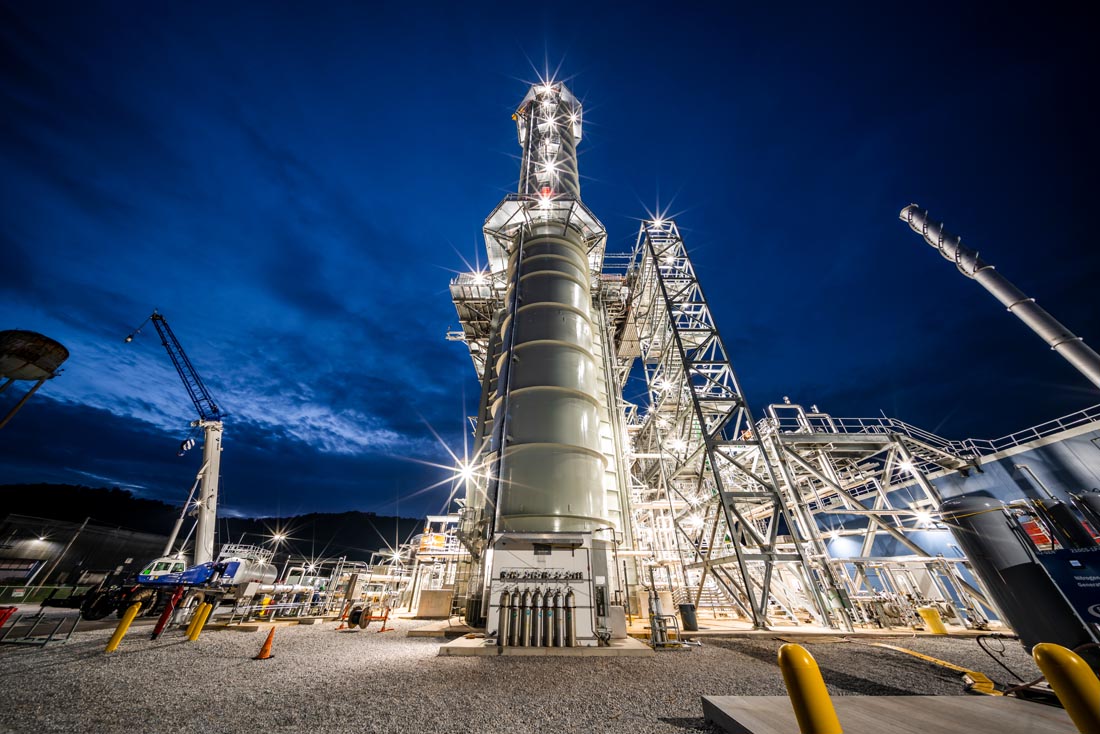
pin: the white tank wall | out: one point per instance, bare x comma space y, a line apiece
552, 465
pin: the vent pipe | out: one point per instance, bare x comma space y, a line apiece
1060, 339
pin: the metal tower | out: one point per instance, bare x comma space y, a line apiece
549, 477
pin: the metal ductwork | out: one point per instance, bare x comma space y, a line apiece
1060, 339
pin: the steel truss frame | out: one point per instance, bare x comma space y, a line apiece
697, 451
738, 504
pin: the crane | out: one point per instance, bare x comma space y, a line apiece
210, 421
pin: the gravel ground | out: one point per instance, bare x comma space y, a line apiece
363, 681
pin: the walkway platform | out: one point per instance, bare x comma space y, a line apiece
894, 714
478, 647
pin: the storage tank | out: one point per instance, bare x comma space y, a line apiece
1028, 599
245, 570
27, 355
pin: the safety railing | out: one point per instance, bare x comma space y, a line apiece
820, 423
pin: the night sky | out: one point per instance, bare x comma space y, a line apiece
293, 185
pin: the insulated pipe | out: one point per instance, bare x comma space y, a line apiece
1060, 339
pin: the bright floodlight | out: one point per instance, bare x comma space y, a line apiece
908, 466
464, 471
924, 518
278, 537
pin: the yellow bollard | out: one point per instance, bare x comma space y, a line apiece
932, 620
263, 605
203, 612
195, 617
123, 625
806, 689
1076, 686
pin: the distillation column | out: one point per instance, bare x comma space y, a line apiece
550, 534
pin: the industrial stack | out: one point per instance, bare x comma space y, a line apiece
540, 507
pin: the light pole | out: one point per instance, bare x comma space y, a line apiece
59, 557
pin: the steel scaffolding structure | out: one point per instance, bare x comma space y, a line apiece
708, 495
742, 508
739, 512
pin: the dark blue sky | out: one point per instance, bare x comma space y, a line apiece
291, 185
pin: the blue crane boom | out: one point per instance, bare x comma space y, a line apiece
208, 410
210, 421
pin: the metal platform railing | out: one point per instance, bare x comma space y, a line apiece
820, 423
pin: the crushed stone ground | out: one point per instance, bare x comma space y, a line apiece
364, 681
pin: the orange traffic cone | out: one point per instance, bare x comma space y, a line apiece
265, 651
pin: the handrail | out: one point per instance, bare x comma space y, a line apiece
820, 423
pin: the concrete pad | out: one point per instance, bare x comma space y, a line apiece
894, 714
441, 628
477, 646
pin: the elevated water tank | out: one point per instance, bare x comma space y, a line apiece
28, 355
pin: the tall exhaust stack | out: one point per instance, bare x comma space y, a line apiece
538, 518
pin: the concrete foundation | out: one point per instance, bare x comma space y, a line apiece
894, 714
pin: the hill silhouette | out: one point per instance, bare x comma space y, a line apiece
353, 534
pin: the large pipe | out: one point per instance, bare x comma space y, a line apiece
1060, 339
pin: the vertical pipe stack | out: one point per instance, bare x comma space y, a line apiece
551, 468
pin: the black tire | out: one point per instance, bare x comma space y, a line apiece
97, 605
147, 597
